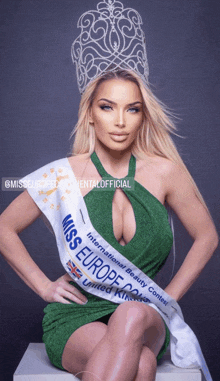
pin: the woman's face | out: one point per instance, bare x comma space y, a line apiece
116, 114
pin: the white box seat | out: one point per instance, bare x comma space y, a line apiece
35, 366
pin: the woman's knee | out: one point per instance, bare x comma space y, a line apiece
130, 319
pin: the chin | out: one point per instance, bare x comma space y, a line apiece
119, 147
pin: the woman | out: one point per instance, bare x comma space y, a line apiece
120, 120
122, 133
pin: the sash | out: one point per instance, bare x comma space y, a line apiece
96, 266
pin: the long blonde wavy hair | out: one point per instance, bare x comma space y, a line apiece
154, 136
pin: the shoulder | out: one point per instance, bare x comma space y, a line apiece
155, 174
56, 166
160, 166
51, 165
79, 163
78, 159
164, 173
44, 174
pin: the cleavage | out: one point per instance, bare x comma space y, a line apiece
123, 218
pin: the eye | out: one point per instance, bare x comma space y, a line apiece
106, 107
134, 109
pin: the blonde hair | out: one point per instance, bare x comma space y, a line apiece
154, 136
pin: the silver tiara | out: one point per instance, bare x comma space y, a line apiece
111, 38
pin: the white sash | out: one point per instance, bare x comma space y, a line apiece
96, 266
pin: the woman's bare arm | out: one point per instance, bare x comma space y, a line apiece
21, 213
196, 219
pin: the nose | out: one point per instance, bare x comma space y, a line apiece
120, 118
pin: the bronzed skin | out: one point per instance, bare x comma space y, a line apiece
126, 348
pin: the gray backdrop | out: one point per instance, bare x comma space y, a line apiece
39, 103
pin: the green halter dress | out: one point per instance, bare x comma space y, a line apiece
148, 250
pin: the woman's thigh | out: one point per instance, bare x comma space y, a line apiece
131, 321
80, 346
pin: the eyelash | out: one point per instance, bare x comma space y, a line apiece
104, 107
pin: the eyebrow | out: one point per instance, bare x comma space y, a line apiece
129, 104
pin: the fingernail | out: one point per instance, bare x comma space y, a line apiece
85, 302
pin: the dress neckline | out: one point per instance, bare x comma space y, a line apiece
137, 184
103, 173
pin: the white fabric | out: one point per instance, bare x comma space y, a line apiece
96, 266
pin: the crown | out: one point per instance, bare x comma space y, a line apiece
111, 37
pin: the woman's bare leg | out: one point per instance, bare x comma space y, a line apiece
125, 350
116, 357
147, 366
81, 345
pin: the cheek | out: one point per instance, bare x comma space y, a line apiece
102, 124
100, 131
137, 125
100, 118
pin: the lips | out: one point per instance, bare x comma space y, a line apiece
118, 136
118, 133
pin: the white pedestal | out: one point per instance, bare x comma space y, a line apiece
166, 371
35, 366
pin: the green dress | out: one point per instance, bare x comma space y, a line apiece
148, 250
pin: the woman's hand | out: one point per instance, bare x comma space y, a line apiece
60, 290
21, 213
